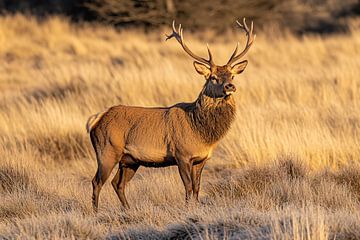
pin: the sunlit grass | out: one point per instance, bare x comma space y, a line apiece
298, 103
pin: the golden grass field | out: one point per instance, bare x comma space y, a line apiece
288, 169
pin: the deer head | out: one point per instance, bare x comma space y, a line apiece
219, 79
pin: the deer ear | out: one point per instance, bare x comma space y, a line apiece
202, 69
239, 67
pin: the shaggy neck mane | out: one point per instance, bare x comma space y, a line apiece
212, 117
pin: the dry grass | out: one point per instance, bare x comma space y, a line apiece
288, 169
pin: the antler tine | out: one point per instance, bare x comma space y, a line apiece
250, 40
235, 51
178, 34
210, 55
240, 25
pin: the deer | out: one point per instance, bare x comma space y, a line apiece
184, 134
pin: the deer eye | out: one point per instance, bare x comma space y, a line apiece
232, 77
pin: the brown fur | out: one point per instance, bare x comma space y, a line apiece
212, 117
93, 120
183, 135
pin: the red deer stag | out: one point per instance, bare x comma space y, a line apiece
184, 134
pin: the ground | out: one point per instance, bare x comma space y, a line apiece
288, 168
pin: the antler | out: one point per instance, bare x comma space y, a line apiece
180, 38
250, 40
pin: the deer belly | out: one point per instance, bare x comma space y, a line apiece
147, 154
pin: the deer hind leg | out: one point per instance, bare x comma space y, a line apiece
126, 171
106, 162
195, 178
185, 174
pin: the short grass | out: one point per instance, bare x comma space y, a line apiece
288, 169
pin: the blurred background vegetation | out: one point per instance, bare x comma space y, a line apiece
298, 16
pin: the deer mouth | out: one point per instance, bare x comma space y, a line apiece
229, 92
229, 89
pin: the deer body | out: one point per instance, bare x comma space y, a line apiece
152, 136
184, 134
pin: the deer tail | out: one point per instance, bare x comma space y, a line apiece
93, 120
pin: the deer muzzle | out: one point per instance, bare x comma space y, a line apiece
229, 88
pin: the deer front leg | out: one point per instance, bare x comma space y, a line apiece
185, 166
195, 177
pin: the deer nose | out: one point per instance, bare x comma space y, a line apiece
229, 87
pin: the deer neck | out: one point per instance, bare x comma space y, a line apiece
212, 117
